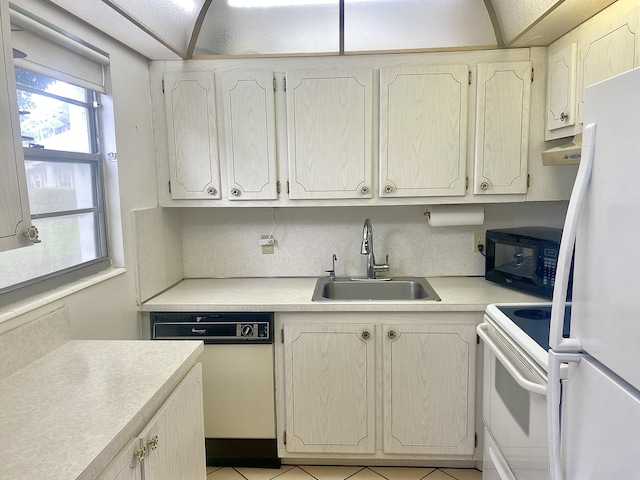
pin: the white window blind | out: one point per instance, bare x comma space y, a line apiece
55, 53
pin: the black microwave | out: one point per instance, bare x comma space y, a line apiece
524, 259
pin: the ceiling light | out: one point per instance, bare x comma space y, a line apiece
186, 5
282, 3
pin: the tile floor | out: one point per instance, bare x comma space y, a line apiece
291, 472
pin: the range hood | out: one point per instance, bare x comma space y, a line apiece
567, 154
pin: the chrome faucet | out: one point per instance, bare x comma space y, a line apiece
367, 249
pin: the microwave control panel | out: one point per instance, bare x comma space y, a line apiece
550, 262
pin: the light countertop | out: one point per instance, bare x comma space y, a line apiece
293, 294
67, 414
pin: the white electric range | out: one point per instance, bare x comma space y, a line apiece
516, 339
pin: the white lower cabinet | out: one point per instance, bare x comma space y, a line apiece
352, 388
171, 445
428, 388
329, 388
126, 465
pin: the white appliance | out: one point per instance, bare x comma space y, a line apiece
515, 338
594, 414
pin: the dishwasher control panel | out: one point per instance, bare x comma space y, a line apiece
213, 328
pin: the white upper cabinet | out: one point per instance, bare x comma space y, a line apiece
561, 87
605, 45
191, 126
249, 135
423, 130
15, 218
329, 127
608, 50
502, 128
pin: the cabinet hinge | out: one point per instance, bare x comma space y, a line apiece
169, 186
287, 186
275, 84
532, 75
528, 180
469, 77
284, 437
282, 335
278, 187
284, 84
476, 440
163, 85
466, 182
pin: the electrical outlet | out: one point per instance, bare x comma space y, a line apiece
267, 244
478, 239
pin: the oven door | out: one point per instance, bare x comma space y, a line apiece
514, 410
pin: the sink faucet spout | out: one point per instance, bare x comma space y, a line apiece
367, 249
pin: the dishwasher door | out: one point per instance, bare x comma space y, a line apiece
238, 390
237, 380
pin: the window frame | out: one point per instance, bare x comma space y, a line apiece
95, 160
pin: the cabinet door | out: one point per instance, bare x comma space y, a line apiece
126, 466
561, 87
329, 388
429, 389
606, 52
502, 128
423, 130
191, 132
15, 218
174, 439
329, 118
249, 135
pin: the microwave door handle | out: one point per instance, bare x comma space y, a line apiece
528, 385
561, 285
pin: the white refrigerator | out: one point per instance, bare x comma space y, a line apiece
594, 404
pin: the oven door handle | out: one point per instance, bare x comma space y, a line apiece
528, 385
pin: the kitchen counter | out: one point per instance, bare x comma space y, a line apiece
293, 294
66, 415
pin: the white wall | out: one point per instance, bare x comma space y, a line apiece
224, 242
109, 310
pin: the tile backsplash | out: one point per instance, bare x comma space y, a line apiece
223, 242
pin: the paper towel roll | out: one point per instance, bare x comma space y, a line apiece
455, 215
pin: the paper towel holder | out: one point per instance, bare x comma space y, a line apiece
473, 214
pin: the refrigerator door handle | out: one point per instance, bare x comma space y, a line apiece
565, 255
553, 410
513, 371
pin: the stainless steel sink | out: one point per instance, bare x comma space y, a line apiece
383, 289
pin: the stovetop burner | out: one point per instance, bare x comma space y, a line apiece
536, 321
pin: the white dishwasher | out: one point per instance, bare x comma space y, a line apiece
238, 381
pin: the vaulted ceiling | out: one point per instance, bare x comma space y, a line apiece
174, 29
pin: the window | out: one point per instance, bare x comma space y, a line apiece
59, 128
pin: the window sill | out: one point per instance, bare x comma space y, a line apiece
20, 308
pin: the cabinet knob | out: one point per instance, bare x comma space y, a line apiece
391, 334
366, 335
484, 185
564, 117
388, 189
140, 454
31, 234
365, 190
235, 192
153, 443
211, 191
